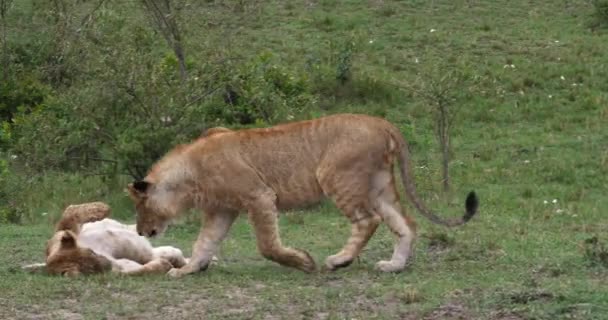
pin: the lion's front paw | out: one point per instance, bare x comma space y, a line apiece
390, 266
338, 261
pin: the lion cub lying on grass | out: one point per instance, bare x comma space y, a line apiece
87, 242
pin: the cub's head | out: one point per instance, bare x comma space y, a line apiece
155, 206
68, 259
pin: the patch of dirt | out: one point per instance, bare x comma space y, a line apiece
236, 303
449, 311
439, 243
66, 314
526, 297
505, 315
35, 313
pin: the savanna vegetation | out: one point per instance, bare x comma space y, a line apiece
508, 98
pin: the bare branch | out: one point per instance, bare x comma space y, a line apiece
165, 20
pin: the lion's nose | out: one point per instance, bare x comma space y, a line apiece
152, 233
140, 233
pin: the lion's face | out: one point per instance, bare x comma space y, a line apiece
151, 220
150, 223
72, 260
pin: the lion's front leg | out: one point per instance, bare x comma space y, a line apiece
215, 228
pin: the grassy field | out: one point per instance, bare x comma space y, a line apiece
531, 138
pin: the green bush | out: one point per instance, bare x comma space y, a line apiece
8, 214
260, 91
600, 13
20, 95
105, 127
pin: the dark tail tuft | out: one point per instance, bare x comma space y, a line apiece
471, 205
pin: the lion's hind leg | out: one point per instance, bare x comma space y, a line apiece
132, 268
402, 226
353, 201
361, 231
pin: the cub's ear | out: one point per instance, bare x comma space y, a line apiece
137, 189
68, 241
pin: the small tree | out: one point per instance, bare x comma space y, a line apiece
441, 87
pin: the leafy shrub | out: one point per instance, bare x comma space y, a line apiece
600, 13
107, 127
20, 95
8, 214
260, 91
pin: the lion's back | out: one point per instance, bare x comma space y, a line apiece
290, 156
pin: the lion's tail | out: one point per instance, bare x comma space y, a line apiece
76, 215
471, 203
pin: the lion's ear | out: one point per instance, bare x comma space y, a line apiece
137, 189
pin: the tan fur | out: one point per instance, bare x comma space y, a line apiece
348, 158
87, 242
215, 130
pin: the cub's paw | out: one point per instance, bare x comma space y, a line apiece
159, 265
176, 273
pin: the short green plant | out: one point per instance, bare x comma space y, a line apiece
596, 252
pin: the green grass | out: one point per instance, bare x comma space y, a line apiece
524, 136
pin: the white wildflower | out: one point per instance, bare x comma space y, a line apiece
432, 30
44, 214
416, 60
559, 211
550, 96
371, 41
554, 201
562, 77
545, 202
526, 161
